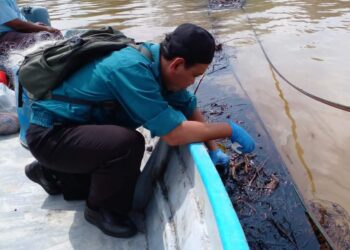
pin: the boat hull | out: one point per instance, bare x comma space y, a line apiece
189, 207
185, 208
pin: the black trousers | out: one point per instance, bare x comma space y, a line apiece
105, 158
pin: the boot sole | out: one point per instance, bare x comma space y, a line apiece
96, 223
32, 176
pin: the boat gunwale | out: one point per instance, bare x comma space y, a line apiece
230, 230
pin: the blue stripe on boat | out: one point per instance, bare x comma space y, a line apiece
230, 229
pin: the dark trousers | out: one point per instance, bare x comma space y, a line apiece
109, 155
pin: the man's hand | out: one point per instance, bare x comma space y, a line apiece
50, 29
242, 137
219, 158
54, 31
28, 27
197, 131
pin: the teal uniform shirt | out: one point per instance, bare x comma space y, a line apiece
127, 77
8, 12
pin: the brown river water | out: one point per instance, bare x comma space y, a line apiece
306, 40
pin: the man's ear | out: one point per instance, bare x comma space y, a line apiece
176, 62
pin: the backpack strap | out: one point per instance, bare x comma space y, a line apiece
143, 50
111, 105
20, 95
103, 104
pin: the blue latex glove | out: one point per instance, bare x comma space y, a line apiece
242, 137
219, 158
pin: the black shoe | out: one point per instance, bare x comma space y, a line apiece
35, 173
110, 223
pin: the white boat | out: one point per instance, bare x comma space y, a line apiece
188, 207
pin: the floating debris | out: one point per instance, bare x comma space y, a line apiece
247, 174
262, 193
273, 183
335, 221
225, 4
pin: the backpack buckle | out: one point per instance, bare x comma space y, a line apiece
75, 41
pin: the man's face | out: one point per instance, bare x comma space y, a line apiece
179, 77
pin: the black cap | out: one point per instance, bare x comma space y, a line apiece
193, 43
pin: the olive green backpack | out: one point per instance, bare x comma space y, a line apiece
45, 69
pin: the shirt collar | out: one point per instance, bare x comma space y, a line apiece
155, 64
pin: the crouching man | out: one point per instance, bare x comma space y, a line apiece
103, 147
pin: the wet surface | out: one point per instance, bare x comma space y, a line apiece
335, 221
261, 189
308, 41
308, 134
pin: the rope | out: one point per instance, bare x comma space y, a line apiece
319, 99
310, 214
200, 81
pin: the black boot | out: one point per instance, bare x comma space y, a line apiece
35, 172
110, 222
